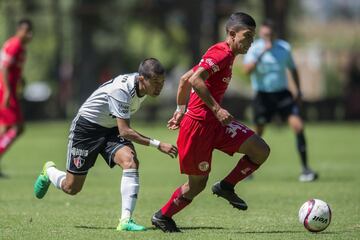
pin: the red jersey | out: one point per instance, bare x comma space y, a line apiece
217, 61
12, 56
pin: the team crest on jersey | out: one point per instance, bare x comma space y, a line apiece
79, 162
226, 80
204, 166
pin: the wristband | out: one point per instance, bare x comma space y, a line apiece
154, 143
181, 108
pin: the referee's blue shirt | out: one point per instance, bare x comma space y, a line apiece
269, 74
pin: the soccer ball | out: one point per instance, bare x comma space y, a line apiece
315, 215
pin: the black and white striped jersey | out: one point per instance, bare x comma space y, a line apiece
116, 98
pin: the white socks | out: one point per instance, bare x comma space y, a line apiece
129, 190
56, 176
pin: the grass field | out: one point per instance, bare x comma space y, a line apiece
274, 196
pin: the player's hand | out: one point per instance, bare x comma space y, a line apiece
224, 116
298, 98
168, 149
174, 122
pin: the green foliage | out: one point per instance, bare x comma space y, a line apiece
333, 85
274, 196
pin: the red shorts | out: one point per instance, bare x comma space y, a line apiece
198, 139
12, 114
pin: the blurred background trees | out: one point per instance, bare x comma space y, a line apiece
79, 44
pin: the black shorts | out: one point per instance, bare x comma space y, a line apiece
266, 105
87, 140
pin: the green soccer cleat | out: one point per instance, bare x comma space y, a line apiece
42, 182
130, 225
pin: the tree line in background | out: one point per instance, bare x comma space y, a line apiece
79, 44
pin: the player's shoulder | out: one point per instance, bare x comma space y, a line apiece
13, 43
124, 87
219, 51
220, 47
283, 44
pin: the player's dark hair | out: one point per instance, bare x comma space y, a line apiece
26, 22
151, 67
269, 23
238, 21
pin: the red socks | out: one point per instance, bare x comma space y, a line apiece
175, 204
7, 139
243, 169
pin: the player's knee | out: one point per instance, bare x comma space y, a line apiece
199, 185
260, 152
127, 160
265, 152
71, 190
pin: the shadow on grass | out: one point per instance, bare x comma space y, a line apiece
289, 231
151, 228
95, 227
221, 228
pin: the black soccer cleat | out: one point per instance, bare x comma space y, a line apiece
229, 195
164, 223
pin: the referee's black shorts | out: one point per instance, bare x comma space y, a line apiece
266, 105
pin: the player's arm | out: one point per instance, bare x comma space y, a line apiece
181, 99
295, 75
296, 78
197, 81
130, 134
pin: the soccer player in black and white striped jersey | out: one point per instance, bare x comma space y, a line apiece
102, 126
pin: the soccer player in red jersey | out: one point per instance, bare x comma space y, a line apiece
205, 125
12, 59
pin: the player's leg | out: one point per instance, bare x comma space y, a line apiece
12, 119
182, 197
2, 131
195, 147
297, 125
67, 182
236, 137
125, 157
85, 142
8, 134
263, 111
259, 129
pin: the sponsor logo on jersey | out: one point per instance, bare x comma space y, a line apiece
79, 162
204, 166
79, 152
215, 68
123, 108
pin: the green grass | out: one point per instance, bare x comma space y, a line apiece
274, 196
